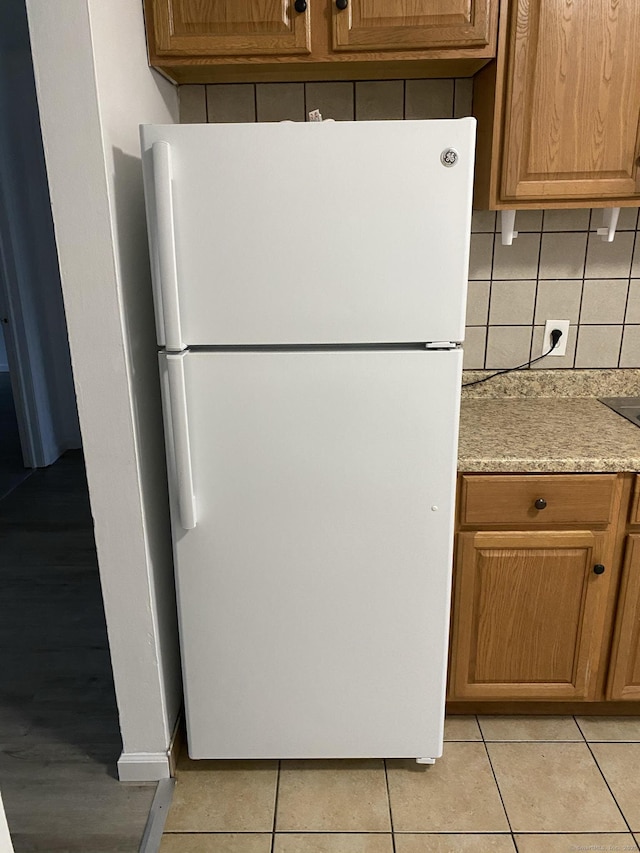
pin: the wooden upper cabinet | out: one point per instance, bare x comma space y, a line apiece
208, 41
228, 27
411, 24
572, 105
528, 616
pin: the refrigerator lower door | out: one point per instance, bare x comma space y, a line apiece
314, 589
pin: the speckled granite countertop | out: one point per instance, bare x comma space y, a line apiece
548, 421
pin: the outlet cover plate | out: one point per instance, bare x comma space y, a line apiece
561, 349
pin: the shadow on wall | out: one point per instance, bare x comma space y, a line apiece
137, 299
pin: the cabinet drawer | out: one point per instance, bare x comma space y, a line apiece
571, 499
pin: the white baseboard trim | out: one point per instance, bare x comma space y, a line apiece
143, 766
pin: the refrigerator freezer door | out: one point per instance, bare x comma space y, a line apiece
314, 590
292, 233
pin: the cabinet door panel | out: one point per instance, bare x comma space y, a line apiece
528, 615
225, 27
624, 681
573, 100
402, 24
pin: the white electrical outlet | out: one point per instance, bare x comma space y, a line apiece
547, 343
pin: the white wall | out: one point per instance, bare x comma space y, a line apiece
94, 88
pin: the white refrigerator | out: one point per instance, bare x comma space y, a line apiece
309, 285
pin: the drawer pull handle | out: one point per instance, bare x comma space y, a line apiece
342, 4
540, 503
300, 6
598, 569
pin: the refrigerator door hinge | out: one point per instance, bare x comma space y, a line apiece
442, 345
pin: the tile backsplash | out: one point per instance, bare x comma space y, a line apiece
557, 268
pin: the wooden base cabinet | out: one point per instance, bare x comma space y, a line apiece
535, 601
624, 674
529, 614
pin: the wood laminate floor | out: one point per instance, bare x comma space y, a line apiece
59, 735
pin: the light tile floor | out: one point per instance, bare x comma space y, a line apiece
504, 784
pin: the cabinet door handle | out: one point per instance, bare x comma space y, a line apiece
300, 6
540, 503
342, 4
598, 569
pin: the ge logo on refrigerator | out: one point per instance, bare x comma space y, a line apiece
449, 157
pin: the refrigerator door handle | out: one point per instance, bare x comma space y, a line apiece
166, 245
181, 444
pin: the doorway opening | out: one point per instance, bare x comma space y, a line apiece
12, 467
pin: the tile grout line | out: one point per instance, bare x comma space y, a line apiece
495, 779
626, 307
493, 253
584, 738
584, 272
635, 245
386, 779
275, 808
609, 789
358, 832
626, 302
